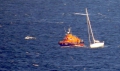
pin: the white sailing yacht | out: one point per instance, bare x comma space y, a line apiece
93, 43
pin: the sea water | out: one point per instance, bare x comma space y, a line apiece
45, 21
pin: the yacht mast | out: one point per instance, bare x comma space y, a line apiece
89, 28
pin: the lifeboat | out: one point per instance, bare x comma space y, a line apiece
71, 40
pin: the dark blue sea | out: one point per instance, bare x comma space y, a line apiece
45, 22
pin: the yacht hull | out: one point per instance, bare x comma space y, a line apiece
97, 45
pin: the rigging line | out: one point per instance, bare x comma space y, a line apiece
88, 29
90, 26
88, 32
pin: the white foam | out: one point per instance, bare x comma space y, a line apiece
29, 37
79, 14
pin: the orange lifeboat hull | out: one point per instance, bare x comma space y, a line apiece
66, 44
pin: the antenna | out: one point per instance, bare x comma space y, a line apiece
64, 29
